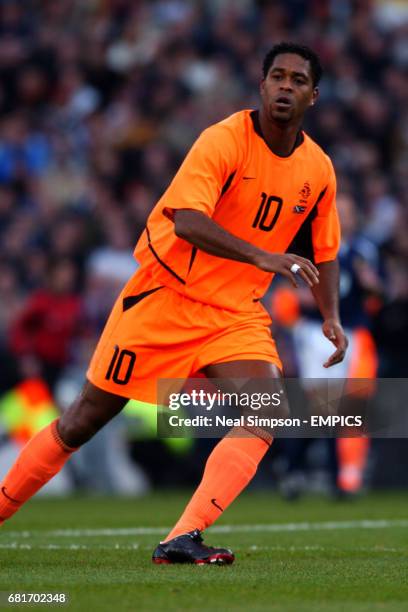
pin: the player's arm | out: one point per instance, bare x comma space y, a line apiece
207, 235
326, 242
193, 194
326, 295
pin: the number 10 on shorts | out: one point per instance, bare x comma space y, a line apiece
121, 366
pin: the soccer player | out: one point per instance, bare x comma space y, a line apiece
252, 189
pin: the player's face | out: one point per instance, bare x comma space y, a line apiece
287, 90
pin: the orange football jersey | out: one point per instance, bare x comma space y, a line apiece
276, 203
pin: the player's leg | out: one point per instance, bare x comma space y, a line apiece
48, 451
229, 468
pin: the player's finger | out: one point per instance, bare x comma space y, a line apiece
336, 335
308, 268
305, 271
330, 333
339, 341
337, 357
303, 261
309, 280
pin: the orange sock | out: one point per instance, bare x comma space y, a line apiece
41, 458
230, 467
352, 458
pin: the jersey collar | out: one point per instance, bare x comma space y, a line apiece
257, 127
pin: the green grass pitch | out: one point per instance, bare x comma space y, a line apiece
315, 555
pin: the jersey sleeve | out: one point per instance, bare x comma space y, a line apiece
325, 225
208, 167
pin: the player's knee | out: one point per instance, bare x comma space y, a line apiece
88, 414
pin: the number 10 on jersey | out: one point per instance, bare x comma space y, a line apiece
266, 218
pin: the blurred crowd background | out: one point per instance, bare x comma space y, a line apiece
99, 102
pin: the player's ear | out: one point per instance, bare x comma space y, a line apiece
262, 86
315, 96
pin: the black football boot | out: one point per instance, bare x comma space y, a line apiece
189, 548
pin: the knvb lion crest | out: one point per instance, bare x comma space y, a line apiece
304, 194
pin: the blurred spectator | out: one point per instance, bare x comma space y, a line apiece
42, 334
391, 325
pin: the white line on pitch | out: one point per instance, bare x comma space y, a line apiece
253, 548
268, 527
20, 546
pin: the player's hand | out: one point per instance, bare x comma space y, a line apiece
333, 330
282, 263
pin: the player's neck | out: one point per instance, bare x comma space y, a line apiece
282, 139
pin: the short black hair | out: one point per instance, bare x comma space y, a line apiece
303, 51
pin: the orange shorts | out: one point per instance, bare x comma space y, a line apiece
155, 332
